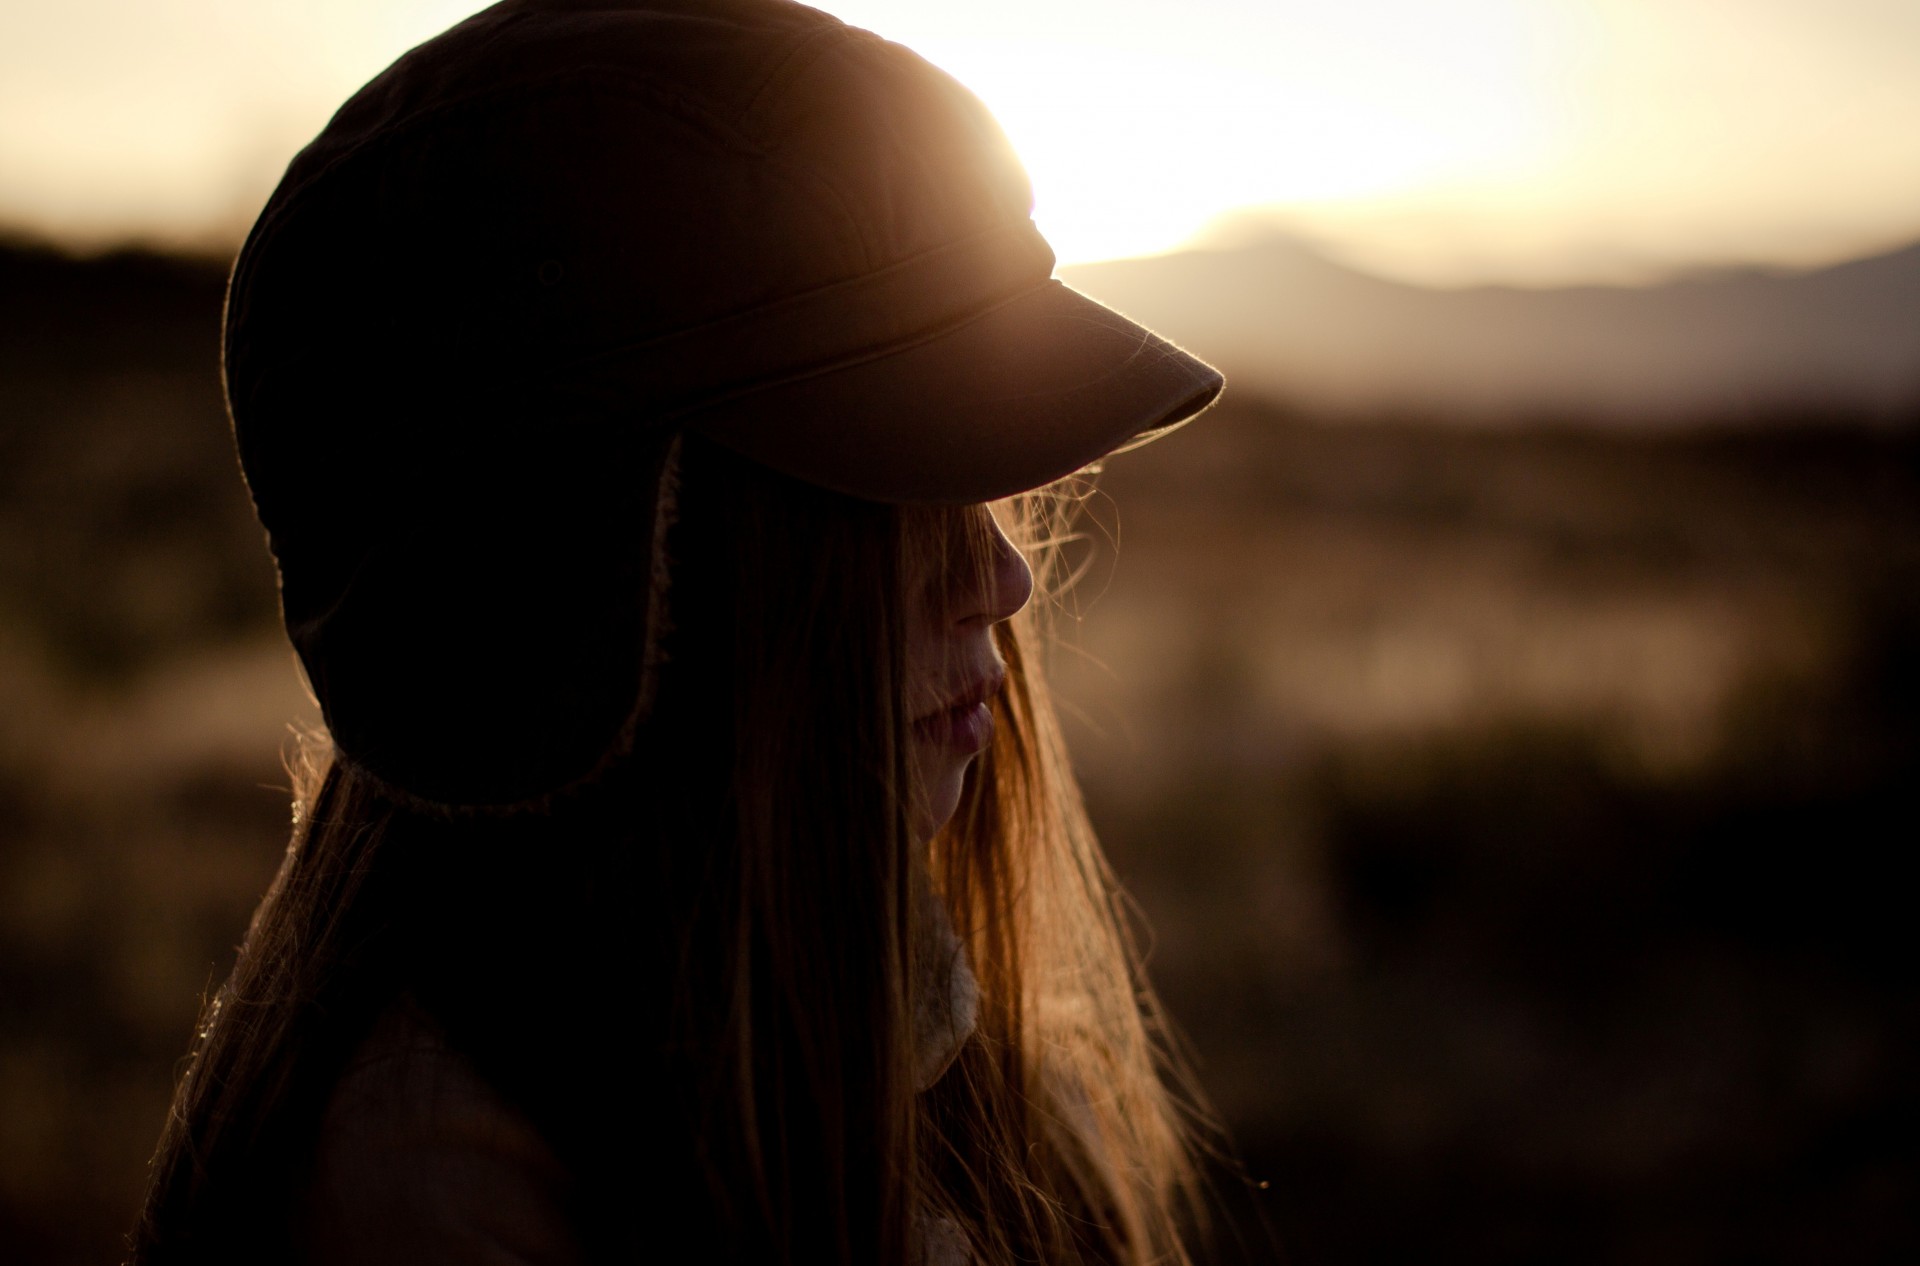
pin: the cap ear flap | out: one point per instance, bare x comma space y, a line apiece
501, 646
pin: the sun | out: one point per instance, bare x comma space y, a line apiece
1136, 140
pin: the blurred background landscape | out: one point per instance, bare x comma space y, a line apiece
1504, 707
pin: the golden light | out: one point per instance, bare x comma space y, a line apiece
1132, 153
1140, 129
1445, 139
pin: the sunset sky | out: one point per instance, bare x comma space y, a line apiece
1444, 140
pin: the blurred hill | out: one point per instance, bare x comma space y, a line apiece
125, 533
1284, 320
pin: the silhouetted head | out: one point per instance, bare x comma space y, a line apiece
481, 305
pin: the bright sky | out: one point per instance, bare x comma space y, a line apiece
1453, 140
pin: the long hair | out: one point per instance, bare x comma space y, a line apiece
696, 975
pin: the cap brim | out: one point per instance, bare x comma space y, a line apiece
1027, 392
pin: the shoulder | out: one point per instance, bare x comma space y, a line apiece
419, 1160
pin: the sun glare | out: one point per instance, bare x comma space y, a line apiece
1132, 154
1446, 139
1139, 132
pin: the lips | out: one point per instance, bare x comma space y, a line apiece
971, 696
964, 723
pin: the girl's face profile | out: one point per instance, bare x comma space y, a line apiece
954, 668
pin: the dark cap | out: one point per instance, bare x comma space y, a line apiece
481, 302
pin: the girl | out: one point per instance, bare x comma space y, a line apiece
659, 413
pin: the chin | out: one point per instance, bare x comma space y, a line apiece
943, 801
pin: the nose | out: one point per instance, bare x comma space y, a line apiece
1009, 581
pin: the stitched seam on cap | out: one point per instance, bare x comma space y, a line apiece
851, 359
811, 48
792, 64
804, 297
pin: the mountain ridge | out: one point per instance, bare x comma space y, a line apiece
1285, 320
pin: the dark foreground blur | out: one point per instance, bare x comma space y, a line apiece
1516, 816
